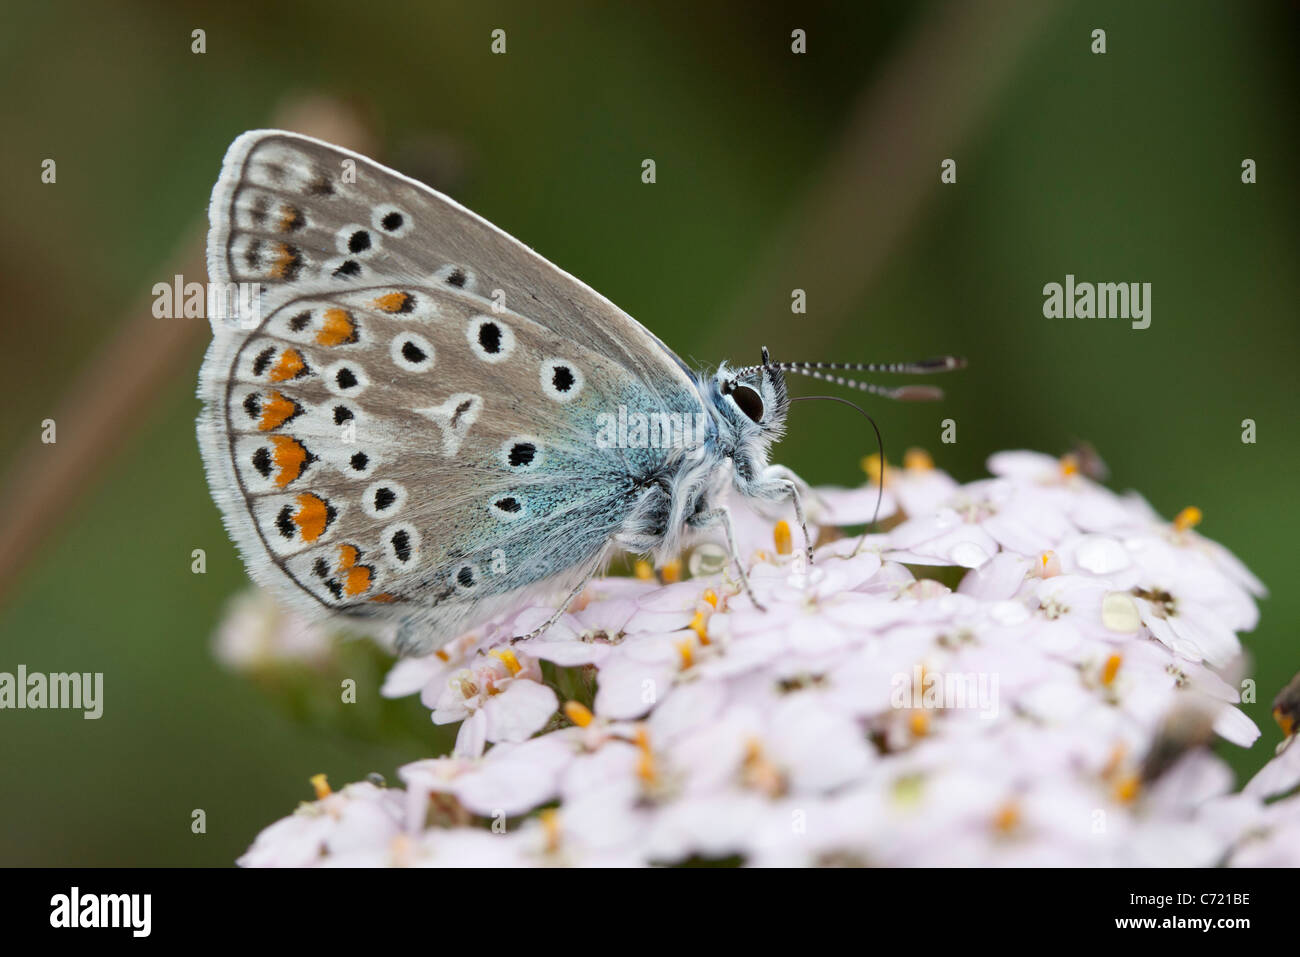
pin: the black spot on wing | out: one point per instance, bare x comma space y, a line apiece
522, 453
402, 545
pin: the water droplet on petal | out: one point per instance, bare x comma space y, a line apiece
1119, 612
706, 559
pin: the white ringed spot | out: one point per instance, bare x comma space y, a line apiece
411, 352
346, 378
390, 220
490, 338
561, 380
356, 241
402, 545
383, 499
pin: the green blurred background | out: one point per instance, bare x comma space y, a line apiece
775, 171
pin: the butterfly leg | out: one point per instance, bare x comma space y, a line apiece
778, 482
722, 515
559, 612
806, 491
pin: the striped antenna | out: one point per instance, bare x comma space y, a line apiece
907, 393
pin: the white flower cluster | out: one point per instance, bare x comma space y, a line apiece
1056, 708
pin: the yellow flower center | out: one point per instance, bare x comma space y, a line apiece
550, 821
686, 648
1127, 788
874, 466
507, 658
760, 773
1007, 818
1110, 669
700, 625
645, 765
578, 713
321, 785
917, 460
781, 536
1189, 517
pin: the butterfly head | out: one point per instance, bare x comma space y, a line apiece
752, 403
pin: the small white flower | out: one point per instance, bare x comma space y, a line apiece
501, 696
256, 632
359, 817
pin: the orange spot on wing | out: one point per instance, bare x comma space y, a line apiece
357, 580
275, 411
312, 516
289, 365
383, 597
337, 329
1284, 721
289, 456
392, 302
285, 260
290, 219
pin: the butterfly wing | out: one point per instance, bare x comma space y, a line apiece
384, 436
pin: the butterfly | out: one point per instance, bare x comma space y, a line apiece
420, 420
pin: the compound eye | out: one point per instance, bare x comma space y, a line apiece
749, 401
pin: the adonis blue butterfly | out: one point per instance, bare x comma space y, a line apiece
426, 422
